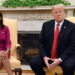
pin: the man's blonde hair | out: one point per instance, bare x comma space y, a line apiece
58, 6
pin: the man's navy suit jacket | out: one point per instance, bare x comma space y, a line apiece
66, 39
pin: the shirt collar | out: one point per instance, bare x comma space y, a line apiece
60, 24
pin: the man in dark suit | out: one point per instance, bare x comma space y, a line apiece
57, 43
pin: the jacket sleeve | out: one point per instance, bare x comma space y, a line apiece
71, 48
42, 42
8, 42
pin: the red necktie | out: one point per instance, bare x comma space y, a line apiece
54, 46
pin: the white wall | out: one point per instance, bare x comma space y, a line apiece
71, 1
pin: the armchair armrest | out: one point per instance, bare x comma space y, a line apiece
17, 45
18, 51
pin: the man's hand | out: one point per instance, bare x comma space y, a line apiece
46, 61
55, 62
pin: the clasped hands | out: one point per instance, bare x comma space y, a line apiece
3, 55
54, 62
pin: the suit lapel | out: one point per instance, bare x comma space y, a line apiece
62, 31
52, 31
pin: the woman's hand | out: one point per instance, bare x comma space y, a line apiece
1, 54
4, 54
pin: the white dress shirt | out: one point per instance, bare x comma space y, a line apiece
60, 25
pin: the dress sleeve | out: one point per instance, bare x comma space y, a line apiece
8, 42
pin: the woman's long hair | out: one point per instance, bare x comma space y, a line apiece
1, 22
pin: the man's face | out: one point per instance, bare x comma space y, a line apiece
58, 14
